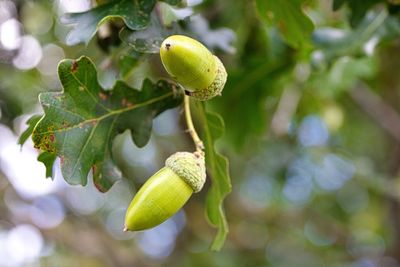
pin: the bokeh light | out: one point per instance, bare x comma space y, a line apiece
29, 53
28, 181
84, 200
256, 191
7, 10
39, 24
313, 132
47, 211
21, 246
10, 34
298, 189
166, 123
159, 242
71, 6
48, 64
333, 172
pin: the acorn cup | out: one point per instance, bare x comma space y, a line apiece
166, 191
193, 66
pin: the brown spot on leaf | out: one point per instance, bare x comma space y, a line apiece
74, 66
65, 124
282, 26
123, 102
52, 137
99, 186
103, 96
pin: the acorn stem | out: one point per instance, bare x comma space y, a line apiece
196, 139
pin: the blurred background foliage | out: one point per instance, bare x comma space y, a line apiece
311, 111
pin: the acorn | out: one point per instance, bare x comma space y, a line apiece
193, 66
166, 191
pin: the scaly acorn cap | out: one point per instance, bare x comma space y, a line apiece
190, 167
216, 87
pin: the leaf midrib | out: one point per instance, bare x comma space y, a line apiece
88, 141
112, 113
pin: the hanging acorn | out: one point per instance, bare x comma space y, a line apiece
193, 66
166, 191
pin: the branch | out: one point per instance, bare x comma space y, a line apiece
385, 115
286, 108
389, 119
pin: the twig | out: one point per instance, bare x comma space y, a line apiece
192, 131
378, 109
286, 108
389, 119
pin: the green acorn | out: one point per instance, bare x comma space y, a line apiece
193, 66
166, 191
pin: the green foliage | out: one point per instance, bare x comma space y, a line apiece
358, 8
47, 158
31, 122
9, 107
217, 166
308, 120
336, 44
128, 62
80, 123
248, 93
288, 16
135, 14
18, 93
148, 40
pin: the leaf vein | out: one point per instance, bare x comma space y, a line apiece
114, 112
83, 148
89, 92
